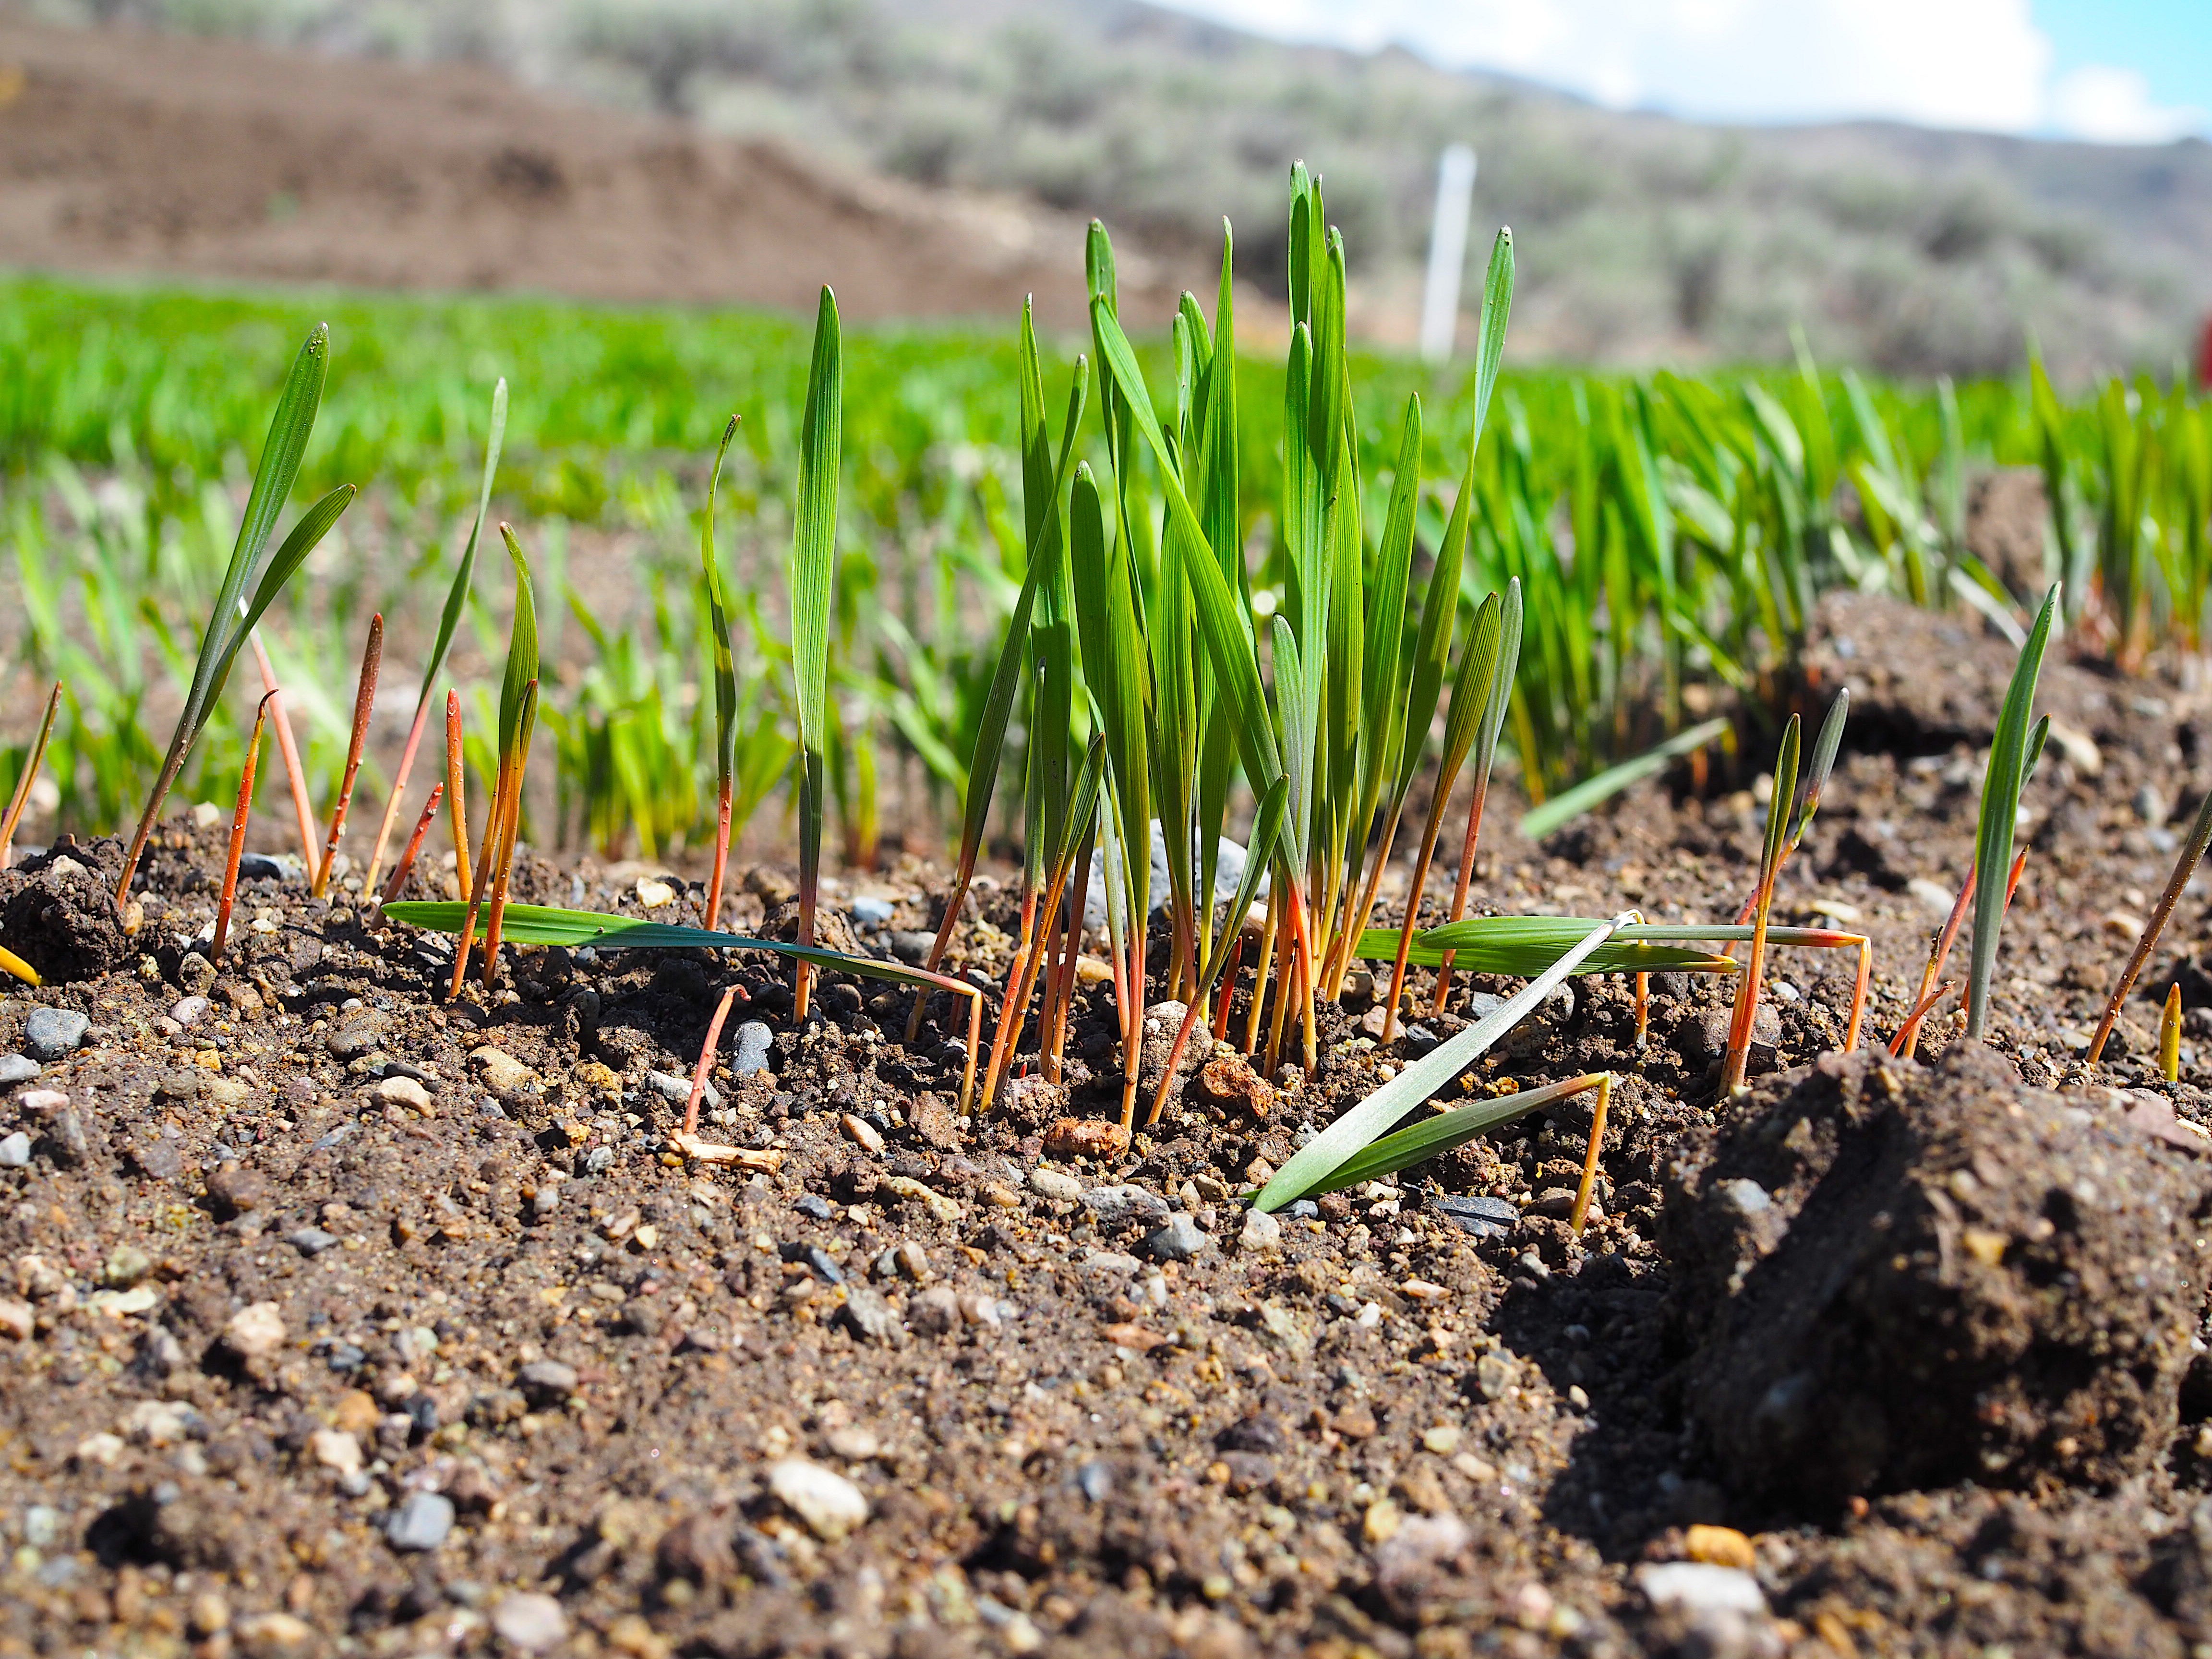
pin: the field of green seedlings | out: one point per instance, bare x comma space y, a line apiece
1669, 534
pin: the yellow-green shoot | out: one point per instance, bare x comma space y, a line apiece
449, 619
231, 622
813, 583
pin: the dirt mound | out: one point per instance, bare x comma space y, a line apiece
1896, 1276
57, 912
124, 151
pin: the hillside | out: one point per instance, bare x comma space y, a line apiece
126, 151
1643, 239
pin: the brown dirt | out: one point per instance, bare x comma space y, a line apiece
315, 1225
124, 151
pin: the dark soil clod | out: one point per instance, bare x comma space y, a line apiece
58, 914
1893, 1276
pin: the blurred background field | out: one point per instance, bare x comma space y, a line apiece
1723, 394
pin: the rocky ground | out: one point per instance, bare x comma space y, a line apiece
337, 1317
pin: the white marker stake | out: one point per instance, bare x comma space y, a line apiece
1447, 253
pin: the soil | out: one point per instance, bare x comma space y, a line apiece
126, 151
327, 1266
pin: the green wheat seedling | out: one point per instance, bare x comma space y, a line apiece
725, 685
231, 624
540, 924
517, 715
2012, 757
27, 778
1317, 1165
813, 577
2184, 866
449, 619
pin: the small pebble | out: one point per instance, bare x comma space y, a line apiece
531, 1621
1698, 1587
1116, 1207
1181, 1240
1262, 1231
421, 1521
812, 1205
17, 1068
189, 1011
676, 1090
871, 1316
1303, 1209
403, 1091
16, 1151
753, 1040
548, 1380
311, 1241
1056, 1184
255, 1330
51, 1033
873, 911
862, 1133
829, 1505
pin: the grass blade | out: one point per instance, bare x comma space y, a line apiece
2001, 786
1321, 1157
457, 596
1447, 1131
813, 582
1571, 803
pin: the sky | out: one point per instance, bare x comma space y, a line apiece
2109, 72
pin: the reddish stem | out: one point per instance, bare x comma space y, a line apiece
706, 1061
238, 833
405, 867
364, 705
456, 802
294, 772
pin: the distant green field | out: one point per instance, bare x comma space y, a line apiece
1669, 532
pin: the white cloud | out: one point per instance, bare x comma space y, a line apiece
1973, 63
2109, 105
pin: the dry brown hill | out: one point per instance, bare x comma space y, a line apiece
126, 151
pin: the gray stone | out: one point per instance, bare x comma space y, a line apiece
676, 1090
1700, 1587
1116, 1207
51, 1033
421, 1522
16, 1151
548, 1380
874, 912
158, 1159
1538, 1029
871, 1316
1484, 1217
753, 1040
17, 1068
42, 1526
1181, 1240
1096, 1480
935, 1311
531, 1621
1262, 1231
912, 946
311, 1241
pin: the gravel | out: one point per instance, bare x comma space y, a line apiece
51, 1033
753, 1040
421, 1522
1181, 1240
